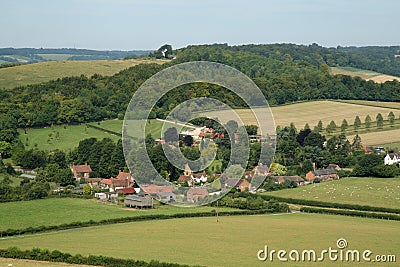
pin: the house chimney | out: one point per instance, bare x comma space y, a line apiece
314, 166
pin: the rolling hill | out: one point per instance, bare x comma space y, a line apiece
46, 71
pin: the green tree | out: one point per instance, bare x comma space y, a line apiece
171, 135
216, 184
278, 169
8, 128
391, 118
344, 126
87, 189
307, 166
356, 142
319, 126
188, 140
5, 149
368, 122
357, 123
251, 129
379, 121
333, 125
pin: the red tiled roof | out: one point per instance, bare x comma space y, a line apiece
106, 181
156, 189
197, 191
81, 168
123, 175
126, 191
184, 178
119, 182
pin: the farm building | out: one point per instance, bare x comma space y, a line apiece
135, 201
322, 175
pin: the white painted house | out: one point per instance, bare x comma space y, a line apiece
392, 158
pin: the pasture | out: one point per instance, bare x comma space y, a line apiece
233, 241
384, 138
46, 71
313, 111
377, 192
29, 263
60, 137
392, 105
67, 210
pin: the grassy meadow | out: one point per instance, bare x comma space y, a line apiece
392, 105
46, 71
313, 111
29, 263
68, 137
384, 138
55, 211
233, 241
377, 192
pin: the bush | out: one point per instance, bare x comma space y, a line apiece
352, 213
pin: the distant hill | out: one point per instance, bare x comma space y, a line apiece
46, 71
34, 55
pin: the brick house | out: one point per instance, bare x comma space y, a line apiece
196, 193
81, 171
322, 175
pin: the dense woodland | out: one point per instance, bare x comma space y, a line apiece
284, 77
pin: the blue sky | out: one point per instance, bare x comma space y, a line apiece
148, 24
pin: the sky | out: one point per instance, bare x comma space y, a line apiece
148, 24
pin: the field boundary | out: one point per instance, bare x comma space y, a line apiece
58, 256
334, 205
76, 225
354, 213
103, 129
349, 101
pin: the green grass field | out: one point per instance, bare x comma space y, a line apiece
55, 211
379, 192
233, 241
68, 137
30, 263
46, 71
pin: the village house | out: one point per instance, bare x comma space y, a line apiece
322, 175
261, 170
192, 178
295, 178
194, 194
240, 184
160, 192
334, 167
392, 158
113, 184
81, 171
